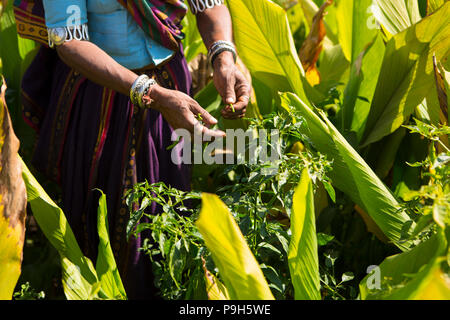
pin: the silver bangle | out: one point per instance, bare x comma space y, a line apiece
221, 42
139, 88
220, 46
201, 5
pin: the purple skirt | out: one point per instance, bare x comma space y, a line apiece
92, 137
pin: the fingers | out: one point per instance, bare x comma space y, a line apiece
230, 95
243, 91
208, 121
208, 133
205, 132
204, 115
240, 108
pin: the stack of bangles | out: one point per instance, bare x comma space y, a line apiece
218, 47
140, 88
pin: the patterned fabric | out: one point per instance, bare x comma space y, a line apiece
30, 21
159, 19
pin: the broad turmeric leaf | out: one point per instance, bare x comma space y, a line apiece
238, 268
303, 257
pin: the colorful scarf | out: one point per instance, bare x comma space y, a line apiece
160, 19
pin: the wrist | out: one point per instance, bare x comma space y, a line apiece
224, 59
224, 51
156, 95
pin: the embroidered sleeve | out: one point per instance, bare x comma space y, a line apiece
66, 20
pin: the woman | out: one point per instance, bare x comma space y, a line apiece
105, 96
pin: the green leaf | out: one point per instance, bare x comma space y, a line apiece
407, 73
323, 239
351, 174
361, 87
415, 274
386, 151
353, 30
348, 276
273, 277
433, 5
106, 266
237, 266
79, 277
333, 66
396, 15
303, 257
330, 190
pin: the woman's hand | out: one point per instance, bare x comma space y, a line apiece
181, 111
232, 86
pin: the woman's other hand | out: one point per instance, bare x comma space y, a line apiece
232, 86
182, 112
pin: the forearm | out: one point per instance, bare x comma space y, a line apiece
96, 65
215, 24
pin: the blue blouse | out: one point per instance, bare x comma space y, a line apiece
111, 27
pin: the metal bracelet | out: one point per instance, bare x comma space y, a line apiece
217, 49
137, 90
201, 5
141, 87
57, 36
220, 42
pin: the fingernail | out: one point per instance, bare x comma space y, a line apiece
230, 100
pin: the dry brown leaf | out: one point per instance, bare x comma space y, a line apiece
313, 44
13, 201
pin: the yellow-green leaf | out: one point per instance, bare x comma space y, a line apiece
433, 5
354, 31
415, 274
106, 266
237, 266
351, 174
303, 257
407, 73
78, 274
396, 15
